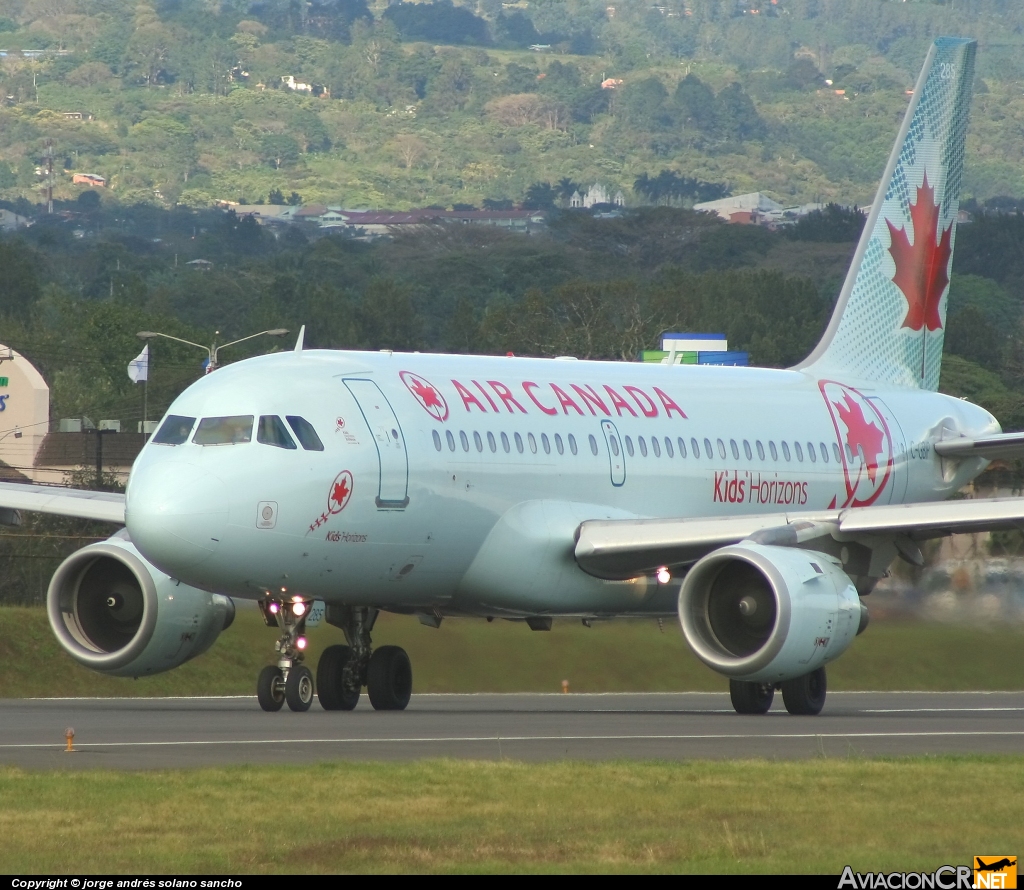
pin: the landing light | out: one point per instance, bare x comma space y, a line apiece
273, 608
299, 609
663, 575
300, 643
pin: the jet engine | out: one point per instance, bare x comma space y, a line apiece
766, 614
115, 613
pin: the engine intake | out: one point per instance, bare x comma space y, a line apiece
115, 613
767, 613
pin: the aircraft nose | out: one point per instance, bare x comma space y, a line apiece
176, 513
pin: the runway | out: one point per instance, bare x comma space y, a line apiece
159, 733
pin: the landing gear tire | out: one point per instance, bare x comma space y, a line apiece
330, 680
298, 690
270, 688
805, 695
751, 698
389, 679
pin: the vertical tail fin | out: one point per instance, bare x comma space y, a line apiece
889, 322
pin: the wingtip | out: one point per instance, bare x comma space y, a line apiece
299, 340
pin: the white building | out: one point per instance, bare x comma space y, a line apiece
597, 194
10, 221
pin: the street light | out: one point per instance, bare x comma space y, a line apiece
212, 350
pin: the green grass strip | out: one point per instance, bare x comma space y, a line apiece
471, 655
470, 816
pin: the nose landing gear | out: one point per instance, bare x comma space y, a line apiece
289, 680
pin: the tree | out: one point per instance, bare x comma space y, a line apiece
409, 148
540, 196
275, 197
736, 116
279, 150
643, 103
89, 200
695, 103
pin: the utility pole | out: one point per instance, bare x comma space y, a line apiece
49, 176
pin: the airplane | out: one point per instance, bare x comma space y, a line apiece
760, 506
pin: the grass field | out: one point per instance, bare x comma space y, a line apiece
466, 655
447, 816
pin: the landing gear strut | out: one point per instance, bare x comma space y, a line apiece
289, 680
344, 670
805, 695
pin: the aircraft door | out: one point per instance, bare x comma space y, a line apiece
393, 490
616, 454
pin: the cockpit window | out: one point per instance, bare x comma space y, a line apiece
271, 431
174, 430
224, 430
305, 433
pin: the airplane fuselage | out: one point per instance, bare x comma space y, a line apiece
445, 481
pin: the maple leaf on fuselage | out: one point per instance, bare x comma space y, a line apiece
861, 435
427, 394
921, 267
340, 492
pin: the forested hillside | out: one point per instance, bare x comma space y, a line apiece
184, 101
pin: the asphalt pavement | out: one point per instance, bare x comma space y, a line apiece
158, 733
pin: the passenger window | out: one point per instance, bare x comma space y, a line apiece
681, 445
613, 443
811, 454
305, 433
668, 446
558, 444
799, 451
174, 430
721, 449
572, 444
437, 440
735, 449
504, 443
747, 451
519, 443
478, 442
785, 451
451, 439
824, 452
774, 453
849, 452
655, 446
464, 439
593, 445
533, 442
643, 445
271, 431
760, 449
491, 443
708, 453
224, 430
545, 443
836, 453
694, 447
629, 446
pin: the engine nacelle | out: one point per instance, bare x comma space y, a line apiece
115, 613
768, 614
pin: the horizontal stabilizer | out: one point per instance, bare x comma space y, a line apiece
106, 506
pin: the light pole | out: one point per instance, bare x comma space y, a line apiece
213, 349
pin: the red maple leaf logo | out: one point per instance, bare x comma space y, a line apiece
340, 492
861, 436
921, 267
426, 394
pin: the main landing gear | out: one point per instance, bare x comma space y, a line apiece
343, 671
805, 695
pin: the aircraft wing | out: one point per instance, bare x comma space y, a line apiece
106, 506
1004, 446
625, 548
